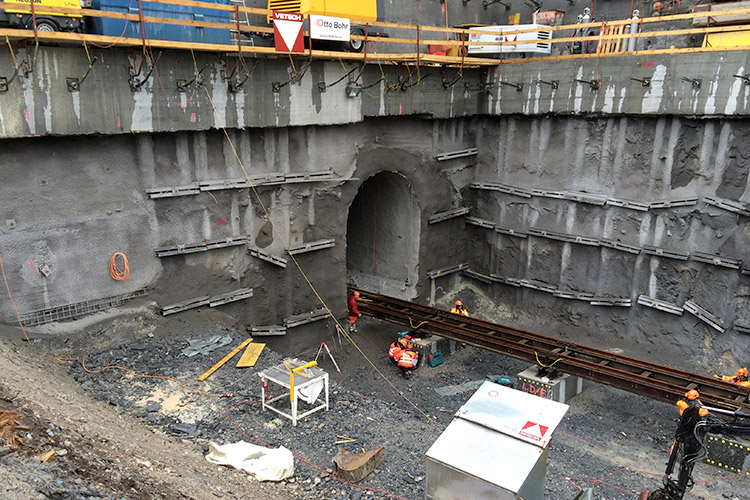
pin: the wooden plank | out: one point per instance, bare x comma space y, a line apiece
224, 360
251, 355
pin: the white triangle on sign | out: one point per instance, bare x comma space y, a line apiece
532, 431
289, 31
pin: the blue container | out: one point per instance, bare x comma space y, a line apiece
154, 31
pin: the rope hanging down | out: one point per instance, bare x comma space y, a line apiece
117, 273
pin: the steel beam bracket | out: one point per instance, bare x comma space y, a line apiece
135, 85
694, 82
480, 87
517, 86
487, 3
184, 85
554, 84
449, 214
645, 82
74, 84
593, 84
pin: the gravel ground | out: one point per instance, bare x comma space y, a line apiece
117, 435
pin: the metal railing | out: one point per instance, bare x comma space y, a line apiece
602, 38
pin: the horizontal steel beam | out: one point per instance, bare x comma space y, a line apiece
641, 377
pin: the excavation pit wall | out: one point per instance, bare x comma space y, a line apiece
82, 199
78, 168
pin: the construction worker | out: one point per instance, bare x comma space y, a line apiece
397, 347
692, 414
351, 302
459, 308
740, 378
408, 361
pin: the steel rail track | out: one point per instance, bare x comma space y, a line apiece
630, 374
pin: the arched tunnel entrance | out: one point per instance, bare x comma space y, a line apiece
382, 244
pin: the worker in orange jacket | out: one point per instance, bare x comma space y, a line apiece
458, 308
397, 347
740, 378
408, 361
351, 303
691, 414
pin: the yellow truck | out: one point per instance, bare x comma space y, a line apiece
45, 20
365, 10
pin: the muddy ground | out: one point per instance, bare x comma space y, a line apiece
117, 435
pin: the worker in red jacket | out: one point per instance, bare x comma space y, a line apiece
351, 302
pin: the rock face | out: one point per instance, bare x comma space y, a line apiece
570, 209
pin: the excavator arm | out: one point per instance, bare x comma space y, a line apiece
685, 453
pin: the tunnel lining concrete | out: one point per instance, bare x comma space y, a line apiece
383, 228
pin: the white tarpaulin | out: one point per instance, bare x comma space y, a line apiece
311, 392
265, 464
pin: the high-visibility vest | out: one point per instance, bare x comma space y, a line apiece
395, 351
408, 359
462, 312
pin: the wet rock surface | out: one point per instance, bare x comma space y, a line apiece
118, 435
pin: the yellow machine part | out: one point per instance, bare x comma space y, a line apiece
360, 9
727, 39
40, 4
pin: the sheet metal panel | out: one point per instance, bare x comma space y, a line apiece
498, 437
509, 412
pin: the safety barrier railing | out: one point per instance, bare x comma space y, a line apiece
610, 41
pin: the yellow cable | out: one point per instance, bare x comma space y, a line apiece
542, 364
15, 63
86, 48
411, 323
291, 256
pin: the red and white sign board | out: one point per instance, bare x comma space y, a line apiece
287, 32
329, 28
534, 431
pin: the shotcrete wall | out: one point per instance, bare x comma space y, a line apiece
634, 162
71, 202
75, 201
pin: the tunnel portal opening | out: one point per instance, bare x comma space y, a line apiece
383, 227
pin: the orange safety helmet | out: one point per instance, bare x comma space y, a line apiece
403, 342
459, 303
692, 395
742, 372
356, 294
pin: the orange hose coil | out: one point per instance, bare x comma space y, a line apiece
117, 273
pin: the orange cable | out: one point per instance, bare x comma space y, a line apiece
117, 273
18, 315
62, 360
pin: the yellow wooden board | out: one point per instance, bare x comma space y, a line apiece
250, 356
224, 360
729, 39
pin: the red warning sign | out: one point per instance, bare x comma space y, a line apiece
287, 32
533, 431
